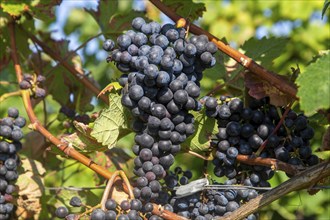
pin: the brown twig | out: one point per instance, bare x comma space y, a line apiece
158, 210
242, 59
303, 180
79, 75
269, 162
37, 125
197, 155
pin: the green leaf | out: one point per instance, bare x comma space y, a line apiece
113, 122
325, 7
186, 9
265, 50
205, 128
121, 22
314, 86
14, 8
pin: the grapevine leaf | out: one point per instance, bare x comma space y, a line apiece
314, 86
265, 50
44, 9
59, 83
121, 22
325, 7
205, 128
187, 9
259, 88
104, 12
31, 187
113, 122
82, 139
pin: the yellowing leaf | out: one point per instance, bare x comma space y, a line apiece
13, 8
31, 187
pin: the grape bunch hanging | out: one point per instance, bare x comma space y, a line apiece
162, 70
10, 136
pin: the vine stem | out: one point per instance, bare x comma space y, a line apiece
269, 162
303, 180
76, 73
9, 94
68, 150
242, 59
158, 210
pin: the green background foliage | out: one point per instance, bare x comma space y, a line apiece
279, 35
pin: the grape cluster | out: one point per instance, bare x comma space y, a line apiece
211, 203
126, 210
161, 78
10, 136
244, 130
63, 212
208, 202
35, 83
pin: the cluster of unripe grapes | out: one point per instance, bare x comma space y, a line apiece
162, 70
10, 136
35, 84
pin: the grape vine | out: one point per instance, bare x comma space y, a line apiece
158, 77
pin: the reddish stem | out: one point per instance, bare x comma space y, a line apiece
269, 162
242, 59
37, 125
263, 145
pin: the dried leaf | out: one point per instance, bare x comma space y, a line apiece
31, 188
259, 88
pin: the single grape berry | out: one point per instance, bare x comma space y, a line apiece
41, 78
108, 45
13, 112
25, 84
98, 214
75, 201
20, 121
111, 204
61, 212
